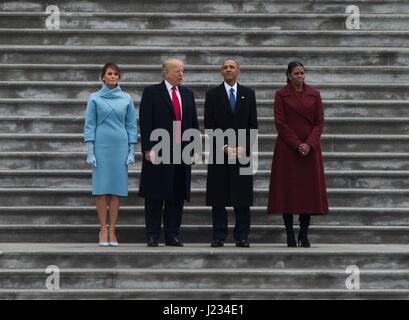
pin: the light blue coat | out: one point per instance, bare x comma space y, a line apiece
110, 122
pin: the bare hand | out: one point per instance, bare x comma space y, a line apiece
233, 152
196, 159
304, 149
150, 156
240, 152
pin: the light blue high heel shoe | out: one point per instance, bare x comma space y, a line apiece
113, 243
102, 244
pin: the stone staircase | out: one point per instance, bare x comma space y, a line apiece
47, 216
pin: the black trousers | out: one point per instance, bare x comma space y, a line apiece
220, 223
170, 210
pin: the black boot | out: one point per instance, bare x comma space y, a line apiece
288, 222
303, 235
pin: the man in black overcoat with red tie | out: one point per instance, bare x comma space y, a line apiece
165, 186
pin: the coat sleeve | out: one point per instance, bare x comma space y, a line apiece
209, 122
252, 123
195, 121
318, 126
284, 131
90, 121
146, 119
130, 123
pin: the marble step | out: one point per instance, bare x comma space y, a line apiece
203, 234
332, 161
198, 73
199, 215
211, 6
81, 90
82, 197
368, 179
199, 294
242, 37
220, 278
330, 143
273, 256
332, 108
325, 56
178, 20
266, 125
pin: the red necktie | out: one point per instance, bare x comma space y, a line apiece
176, 107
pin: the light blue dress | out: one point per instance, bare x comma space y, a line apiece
110, 122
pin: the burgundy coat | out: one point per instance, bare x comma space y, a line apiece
297, 183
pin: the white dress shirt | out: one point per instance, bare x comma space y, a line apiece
228, 87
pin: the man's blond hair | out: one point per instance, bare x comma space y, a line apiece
168, 64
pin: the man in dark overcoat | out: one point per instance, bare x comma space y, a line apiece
166, 185
230, 107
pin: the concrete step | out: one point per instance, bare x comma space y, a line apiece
177, 20
81, 90
332, 161
259, 37
330, 143
266, 125
82, 197
368, 179
271, 256
211, 6
198, 73
80, 215
203, 234
220, 278
325, 56
332, 108
201, 294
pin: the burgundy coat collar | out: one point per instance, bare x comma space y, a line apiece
289, 90
304, 105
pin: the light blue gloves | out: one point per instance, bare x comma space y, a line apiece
91, 160
131, 155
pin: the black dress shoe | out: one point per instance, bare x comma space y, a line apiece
174, 242
242, 243
152, 242
217, 243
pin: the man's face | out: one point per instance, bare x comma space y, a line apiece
230, 71
174, 75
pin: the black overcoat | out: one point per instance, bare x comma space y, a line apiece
225, 186
156, 112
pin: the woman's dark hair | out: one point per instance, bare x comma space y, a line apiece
291, 67
112, 66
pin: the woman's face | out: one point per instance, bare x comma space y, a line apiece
297, 75
111, 77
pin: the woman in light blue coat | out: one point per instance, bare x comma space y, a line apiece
111, 135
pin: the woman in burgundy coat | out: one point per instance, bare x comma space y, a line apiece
297, 183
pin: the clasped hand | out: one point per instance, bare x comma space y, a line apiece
151, 157
304, 149
234, 152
